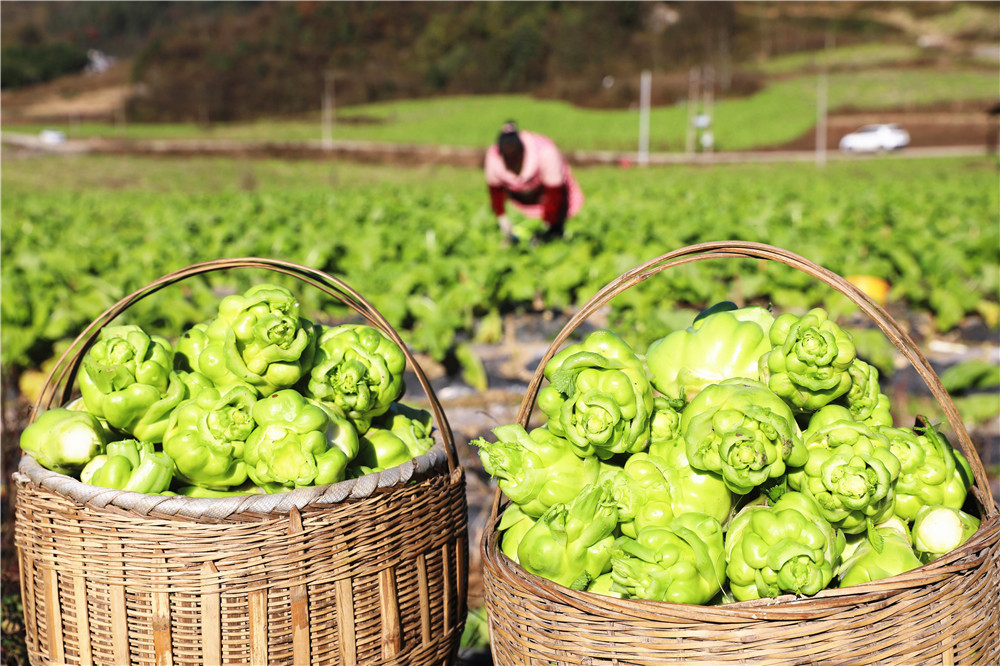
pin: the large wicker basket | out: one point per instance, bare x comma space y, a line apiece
371, 570
946, 612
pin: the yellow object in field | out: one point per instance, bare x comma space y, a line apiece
30, 384
876, 288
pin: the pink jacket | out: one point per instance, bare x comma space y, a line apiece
543, 166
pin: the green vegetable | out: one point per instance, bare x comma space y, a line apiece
742, 430
605, 584
864, 398
931, 471
295, 444
571, 544
201, 491
850, 470
885, 552
809, 363
195, 382
198, 356
642, 493
64, 440
938, 530
514, 524
271, 345
598, 397
652, 491
206, 436
379, 449
720, 344
127, 378
412, 425
130, 465
788, 547
358, 369
341, 433
854, 541
665, 424
683, 562
258, 338
692, 490
536, 470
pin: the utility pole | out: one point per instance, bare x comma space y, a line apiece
694, 81
328, 110
644, 101
708, 135
822, 103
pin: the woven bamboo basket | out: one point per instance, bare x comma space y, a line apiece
946, 612
370, 570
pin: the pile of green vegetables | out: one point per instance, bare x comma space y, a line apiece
257, 399
746, 456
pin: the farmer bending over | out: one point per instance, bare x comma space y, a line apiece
529, 169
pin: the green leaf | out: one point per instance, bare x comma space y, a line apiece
973, 374
875, 538
978, 408
473, 370
875, 348
563, 381
775, 488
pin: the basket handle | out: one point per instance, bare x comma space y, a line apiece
743, 250
59, 383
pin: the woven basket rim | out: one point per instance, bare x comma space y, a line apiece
830, 600
432, 463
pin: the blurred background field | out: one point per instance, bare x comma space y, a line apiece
82, 228
779, 114
411, 73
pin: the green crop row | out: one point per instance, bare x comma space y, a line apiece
424, 248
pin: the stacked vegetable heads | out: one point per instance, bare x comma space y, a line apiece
745, 456
258, 399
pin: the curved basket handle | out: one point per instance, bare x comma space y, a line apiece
58, 385
744, 250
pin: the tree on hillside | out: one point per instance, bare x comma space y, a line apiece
223, 61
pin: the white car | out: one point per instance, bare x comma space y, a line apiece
875, 138
51, 137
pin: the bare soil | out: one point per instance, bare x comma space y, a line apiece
961, 125
77, 97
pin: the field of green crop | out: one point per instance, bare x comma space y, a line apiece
81, 232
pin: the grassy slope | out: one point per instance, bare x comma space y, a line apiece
780, 112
